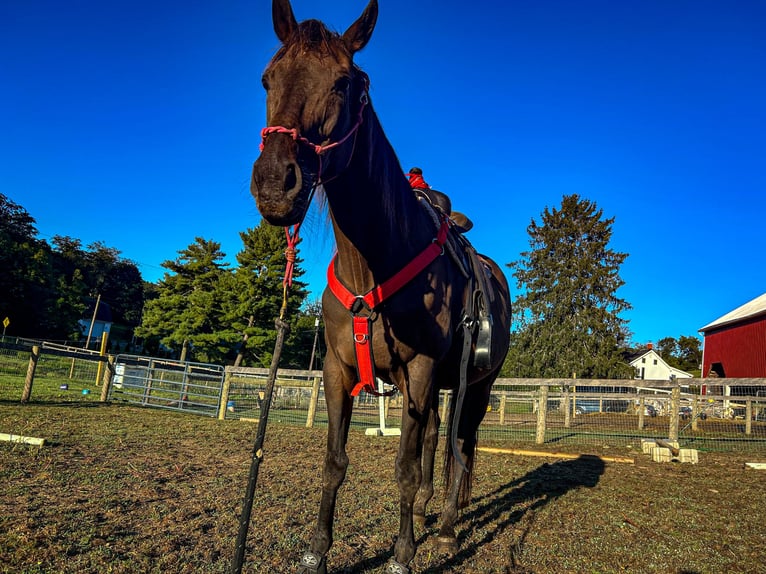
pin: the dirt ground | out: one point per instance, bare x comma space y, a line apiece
127, 490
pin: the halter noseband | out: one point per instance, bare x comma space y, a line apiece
319, 150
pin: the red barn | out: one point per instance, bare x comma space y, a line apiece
735, 344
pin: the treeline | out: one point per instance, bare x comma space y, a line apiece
45, 288
201, 309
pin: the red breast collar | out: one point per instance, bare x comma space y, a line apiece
373, 298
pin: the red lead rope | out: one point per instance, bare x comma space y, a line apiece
373, 298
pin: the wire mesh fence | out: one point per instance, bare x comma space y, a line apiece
706, 414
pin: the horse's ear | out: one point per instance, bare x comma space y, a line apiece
359, 33
284, 19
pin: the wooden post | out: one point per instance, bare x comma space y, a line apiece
567, 408
224, 395
641, 411
33, 358
502, 409
695, 412
313, 403
675, 404
446, 396
542, 405
748, 417
107, 380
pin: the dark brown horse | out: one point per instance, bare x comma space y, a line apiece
423, 335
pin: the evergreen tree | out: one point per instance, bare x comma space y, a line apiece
187, 313
255, 300
568, 313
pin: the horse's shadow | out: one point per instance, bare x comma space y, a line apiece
493, 512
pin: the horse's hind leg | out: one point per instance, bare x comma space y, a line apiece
430, 440
339, 406
458, 483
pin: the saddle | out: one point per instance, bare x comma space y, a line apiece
473, 267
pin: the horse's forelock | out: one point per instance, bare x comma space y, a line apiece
314, 37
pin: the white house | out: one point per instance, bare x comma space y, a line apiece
650, 366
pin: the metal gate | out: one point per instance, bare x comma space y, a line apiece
167, 384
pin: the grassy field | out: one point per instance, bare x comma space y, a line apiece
119, 489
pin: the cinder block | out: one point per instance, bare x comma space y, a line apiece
688, 455
647, 445
661, 454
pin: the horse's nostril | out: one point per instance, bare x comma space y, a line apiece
290, 178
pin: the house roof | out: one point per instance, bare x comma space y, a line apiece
633, 361
750, 309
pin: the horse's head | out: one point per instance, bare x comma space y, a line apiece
315, 98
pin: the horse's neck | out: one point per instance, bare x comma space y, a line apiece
376, 219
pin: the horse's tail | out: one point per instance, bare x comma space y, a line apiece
468, 448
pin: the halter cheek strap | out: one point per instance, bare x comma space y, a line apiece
319, 150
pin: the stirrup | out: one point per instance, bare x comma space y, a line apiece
394, 567
311, 561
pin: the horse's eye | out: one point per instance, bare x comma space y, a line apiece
265, 82
342, 85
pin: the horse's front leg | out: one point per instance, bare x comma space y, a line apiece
430, 442
408, 466
339, 407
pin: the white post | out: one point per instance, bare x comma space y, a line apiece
382, 430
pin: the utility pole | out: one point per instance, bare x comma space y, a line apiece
93, 320
314, 346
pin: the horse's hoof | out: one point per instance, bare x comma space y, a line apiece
394, 567
312, 564
419, 520
447, 544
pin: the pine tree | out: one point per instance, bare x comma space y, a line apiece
256, 299
188, 314
568, 313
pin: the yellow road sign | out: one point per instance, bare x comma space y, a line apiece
6, 322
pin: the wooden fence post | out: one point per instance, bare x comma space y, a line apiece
224, 395
748, 417
502, 409
695, 412
30, 374
542, 407
107, 380
641, 411
567, 408
313, 403
675, 404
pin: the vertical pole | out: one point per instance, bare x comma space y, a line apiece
92, 321
567, 407
502, 409
748, 417
224, 394
30, 374
100, 369
675, 404
247, 504
541, 408
313, 404
107, 380
695, 413
641, 411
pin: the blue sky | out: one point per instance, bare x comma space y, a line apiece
136, 124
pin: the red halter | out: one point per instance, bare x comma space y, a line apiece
373, 298
318, 149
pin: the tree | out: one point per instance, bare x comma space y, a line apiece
568, 314
690, 353
255, 300
187, 314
